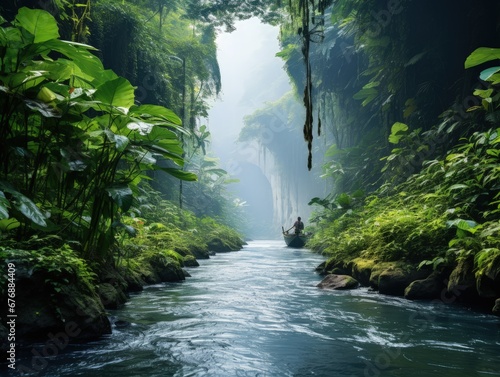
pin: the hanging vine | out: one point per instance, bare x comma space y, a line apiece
311, 14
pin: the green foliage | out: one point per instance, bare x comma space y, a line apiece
61, 265
482, 55
385, 229
447, 212
74, 145
165, 229
398, 130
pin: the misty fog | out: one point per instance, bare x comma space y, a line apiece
276, 190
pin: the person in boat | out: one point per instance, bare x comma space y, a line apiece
298, 226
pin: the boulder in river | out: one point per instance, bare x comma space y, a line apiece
462, 281
429, 288
496, 308
488, 281
394, 281
338, 282
333, 266
377, 270
111, 297
362, 269
190, 261
165, 268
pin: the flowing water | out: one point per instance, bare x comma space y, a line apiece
257, 312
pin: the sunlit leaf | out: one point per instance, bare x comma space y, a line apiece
9, 224
181, 174
143, 127
41, 24
118, 93
458, 186
120, 141
483, 93
147, 111
482, 55
398, 130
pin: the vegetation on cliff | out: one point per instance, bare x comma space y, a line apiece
424, 190
404, 94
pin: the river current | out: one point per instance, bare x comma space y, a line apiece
257, 312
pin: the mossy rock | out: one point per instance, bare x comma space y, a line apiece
220, 245
462, 281
55, 294
197, 249
429, 288
111, 297
361, 270
333, 266
86, 311
377, 270
115, 295
488, 282
190, 261
222, 240
133, 278
338, 282
394, 281
44, 310
496, 307
201, 252
165, 269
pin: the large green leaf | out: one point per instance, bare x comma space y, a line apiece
88, 64
120, 141
4, 206
166, 153
181, 174
367, 94
398, 130
482, 55
29, 209
122, 195
488, 73
24, 205
118, 93
39, 23
9, 224
147, 111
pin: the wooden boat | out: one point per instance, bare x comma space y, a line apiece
295, 240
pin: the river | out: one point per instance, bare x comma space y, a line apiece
257, 312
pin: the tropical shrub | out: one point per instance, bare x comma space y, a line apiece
74, 146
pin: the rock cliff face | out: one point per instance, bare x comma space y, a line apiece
292, 185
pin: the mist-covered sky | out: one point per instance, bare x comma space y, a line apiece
251, 76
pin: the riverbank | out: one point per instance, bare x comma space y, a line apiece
415, 244
52, 290
458, 285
